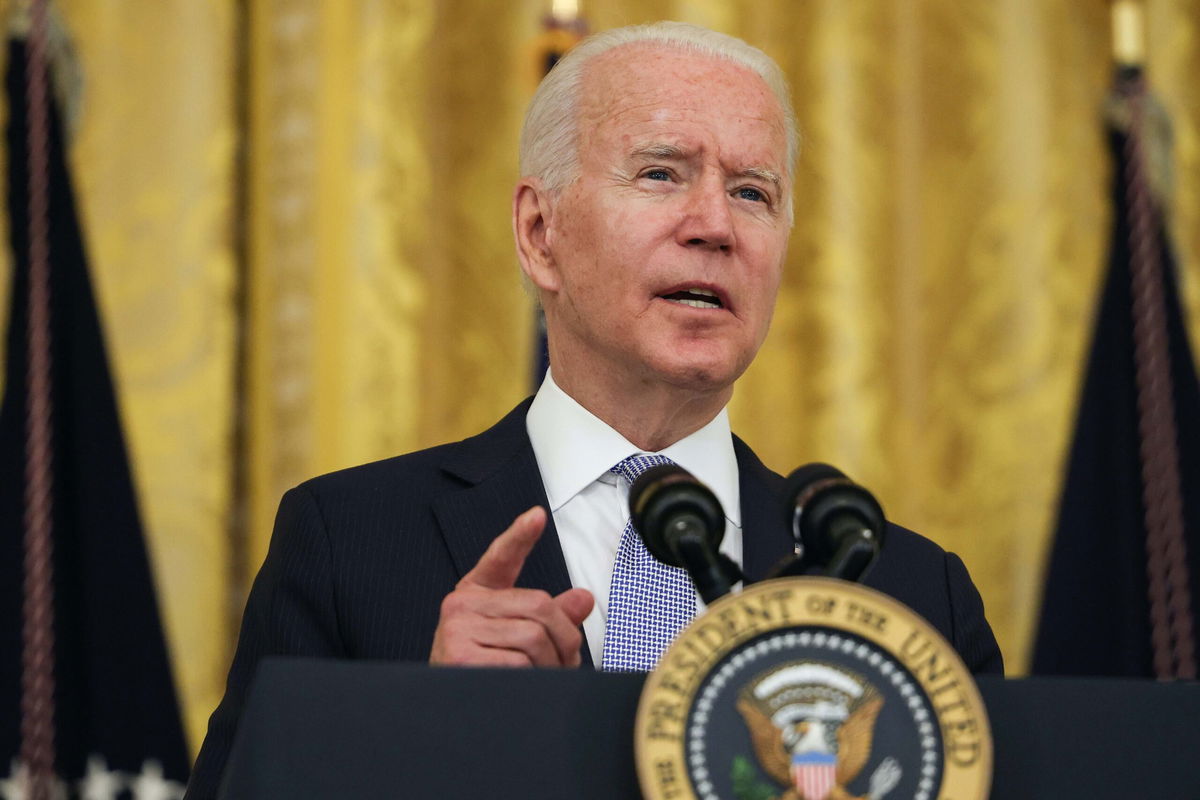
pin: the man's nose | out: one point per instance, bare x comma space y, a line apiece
708, 218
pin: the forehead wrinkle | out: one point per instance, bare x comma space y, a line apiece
618, 95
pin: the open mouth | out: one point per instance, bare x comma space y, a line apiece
695, 298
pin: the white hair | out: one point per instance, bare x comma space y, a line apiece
550, 139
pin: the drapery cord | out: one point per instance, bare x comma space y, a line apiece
1172, 629
37, 656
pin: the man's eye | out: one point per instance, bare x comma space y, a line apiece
658, 175
750, 193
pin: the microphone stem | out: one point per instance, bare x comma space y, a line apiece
857, 548
691, 547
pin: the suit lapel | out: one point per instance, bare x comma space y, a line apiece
500, 480
766, 535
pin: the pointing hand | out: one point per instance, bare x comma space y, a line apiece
485, 621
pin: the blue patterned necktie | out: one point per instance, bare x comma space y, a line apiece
648, 602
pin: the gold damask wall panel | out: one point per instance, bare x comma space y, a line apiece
386, 310
478, 321
152, 164
950, 231
332, 349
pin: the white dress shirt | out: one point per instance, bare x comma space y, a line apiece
575, 451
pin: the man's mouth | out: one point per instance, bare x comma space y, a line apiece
695, 298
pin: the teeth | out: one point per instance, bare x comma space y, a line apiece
694, 298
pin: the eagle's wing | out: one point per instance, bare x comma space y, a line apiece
768, 741
854, 739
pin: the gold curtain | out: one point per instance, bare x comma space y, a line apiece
952, 223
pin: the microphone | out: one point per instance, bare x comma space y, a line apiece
838, 523
681, 523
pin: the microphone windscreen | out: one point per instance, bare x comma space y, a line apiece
666, 494
649, 482
804, 477
822, 501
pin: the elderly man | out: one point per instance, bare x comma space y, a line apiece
652, 220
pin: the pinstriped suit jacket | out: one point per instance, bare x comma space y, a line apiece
361, 559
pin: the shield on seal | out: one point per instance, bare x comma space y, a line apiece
814, 774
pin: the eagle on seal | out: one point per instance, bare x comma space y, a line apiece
812, 727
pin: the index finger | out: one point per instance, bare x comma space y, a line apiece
501, 563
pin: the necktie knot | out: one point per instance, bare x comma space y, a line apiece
631, 468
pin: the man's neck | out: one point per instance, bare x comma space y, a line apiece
649, 414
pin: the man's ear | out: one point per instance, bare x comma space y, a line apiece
532, 216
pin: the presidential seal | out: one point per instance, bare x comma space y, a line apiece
811, 689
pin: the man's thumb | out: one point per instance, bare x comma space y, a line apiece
576, 604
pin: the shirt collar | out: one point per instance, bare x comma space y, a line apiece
575, 447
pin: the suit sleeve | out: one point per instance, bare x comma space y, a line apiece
972, 636
291, 611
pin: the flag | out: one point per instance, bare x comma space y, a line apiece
116, 724
1119, 601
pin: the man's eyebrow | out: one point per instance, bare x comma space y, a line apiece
763, 174
674, 152
658, 150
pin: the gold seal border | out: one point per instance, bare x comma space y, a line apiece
796, 603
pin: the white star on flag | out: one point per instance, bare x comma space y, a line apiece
99, 783
151, 785
15, 786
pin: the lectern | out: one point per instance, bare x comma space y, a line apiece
326, 729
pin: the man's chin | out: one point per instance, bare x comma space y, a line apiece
706, 376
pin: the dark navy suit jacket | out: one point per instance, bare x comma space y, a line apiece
361, 559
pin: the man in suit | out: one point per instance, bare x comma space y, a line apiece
652, 221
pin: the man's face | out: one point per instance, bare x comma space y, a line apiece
668, 248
